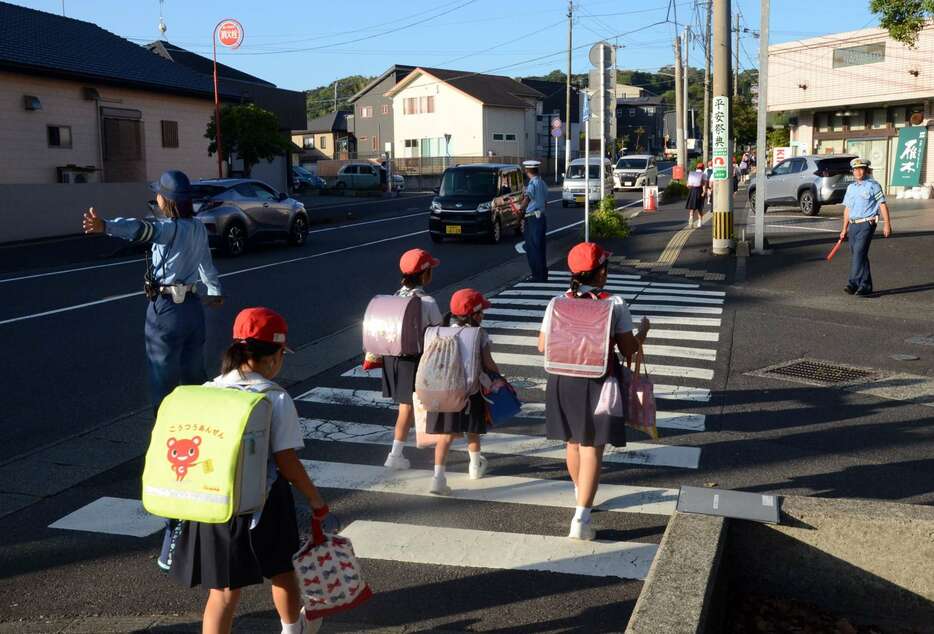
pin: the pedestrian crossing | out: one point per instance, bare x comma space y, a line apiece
346, 409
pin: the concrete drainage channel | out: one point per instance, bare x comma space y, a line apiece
866, 563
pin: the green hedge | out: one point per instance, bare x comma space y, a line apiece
676, 190
606, 222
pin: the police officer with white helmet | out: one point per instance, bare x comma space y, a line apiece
864, 202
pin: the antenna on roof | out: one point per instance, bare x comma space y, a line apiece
63, 8
162, 27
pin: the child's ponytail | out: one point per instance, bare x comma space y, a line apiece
242, 352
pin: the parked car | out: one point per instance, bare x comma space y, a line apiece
302, 179
807, 181
572, 191
477, 201
398, 183
361, 176
237, 211
634, 171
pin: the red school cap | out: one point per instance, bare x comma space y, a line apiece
467, 301
417, 260
261, 324
587, 256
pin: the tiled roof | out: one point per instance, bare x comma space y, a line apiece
330, 122
201, 64
44, 43
492, 90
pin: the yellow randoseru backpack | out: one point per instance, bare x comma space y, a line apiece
208, 454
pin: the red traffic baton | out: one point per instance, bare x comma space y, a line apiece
834, 250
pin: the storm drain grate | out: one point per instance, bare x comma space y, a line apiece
814, 372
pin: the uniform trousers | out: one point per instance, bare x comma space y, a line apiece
175, 335
535, 240
860, 236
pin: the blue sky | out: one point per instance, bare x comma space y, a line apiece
298, 44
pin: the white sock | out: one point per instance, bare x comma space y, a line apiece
474, 457
575, 491
439, 470
292, 628
582, 513
397, 447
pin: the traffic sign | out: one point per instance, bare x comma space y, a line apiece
556, 122
557, 132
230, 34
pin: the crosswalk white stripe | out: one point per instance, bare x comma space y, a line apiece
703, 354
644, 287
112, 516
656, 333
507, 444
678, 291
547, 292
373, 398
536, 361
516, 297
515, 312
614, 498
684, 299
633, 307
668, 392
672, 285
558, 287
611, 276
655, 319
441, 546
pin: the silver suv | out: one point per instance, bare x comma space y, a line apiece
808, 182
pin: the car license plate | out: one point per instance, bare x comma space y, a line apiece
578, 199
628, 183
452, 229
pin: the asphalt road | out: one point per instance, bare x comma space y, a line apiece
76, 330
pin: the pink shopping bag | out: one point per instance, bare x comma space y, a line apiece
329, 576
642, 399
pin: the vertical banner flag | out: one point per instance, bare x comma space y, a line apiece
719, 117
909, 157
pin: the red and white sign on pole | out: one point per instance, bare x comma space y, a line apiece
230, 34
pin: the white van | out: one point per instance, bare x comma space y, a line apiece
573, 189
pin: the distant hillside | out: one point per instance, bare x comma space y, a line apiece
320, 100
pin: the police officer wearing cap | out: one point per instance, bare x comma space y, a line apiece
179, 277
532, 209
864, 202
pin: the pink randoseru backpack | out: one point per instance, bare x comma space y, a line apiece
577, 342
392, 326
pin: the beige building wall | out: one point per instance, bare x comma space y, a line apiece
456, 113
27, 157
510, 121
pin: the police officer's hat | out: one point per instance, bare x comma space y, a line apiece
860, 162
173, 185
531, 164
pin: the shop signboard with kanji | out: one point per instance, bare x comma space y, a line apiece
909, 157
719, 132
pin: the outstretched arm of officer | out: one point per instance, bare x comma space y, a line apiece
129, 229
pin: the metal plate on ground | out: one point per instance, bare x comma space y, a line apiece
727, 503
817, 372
921, 340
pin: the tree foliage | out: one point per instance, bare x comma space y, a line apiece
903, 18
320, 100
249, 132
778, 137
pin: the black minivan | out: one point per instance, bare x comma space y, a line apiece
477, 201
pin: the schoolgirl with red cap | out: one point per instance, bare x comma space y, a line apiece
467, 306
697, 187
571, 401
416, 266
249, 548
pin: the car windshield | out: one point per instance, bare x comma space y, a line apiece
202, 192
577, 171
631, 164
834, 166
468, 182
301, 171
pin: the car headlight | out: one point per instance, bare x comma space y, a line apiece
483, 207
435, 205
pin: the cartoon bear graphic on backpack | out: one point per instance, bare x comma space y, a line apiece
183, 454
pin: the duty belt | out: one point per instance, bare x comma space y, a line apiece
177, 292
535, 214
861, 220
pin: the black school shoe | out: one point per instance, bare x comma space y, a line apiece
864, 292
849, 290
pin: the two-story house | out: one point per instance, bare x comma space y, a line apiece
640, 123
448, 114
554, 104
372, 122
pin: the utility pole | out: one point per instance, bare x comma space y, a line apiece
722, 131
335, 96
736, 55
706, 126
604, 124
761, 150
679, 109
567, 101
686, 70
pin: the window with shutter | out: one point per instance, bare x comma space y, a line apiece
169, 133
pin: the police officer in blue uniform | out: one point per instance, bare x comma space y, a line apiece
533, 207
864, 202
180, 274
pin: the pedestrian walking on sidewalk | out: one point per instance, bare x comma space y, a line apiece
249, 548
467, 306
571, 402
697, 188
180, 276
864, 202
532, 208
416, 266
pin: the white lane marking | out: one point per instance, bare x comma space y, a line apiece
368, 222
507, 444
537, 361
614, 498
655, 319
803, 228
246, 270
667, 392
703, 354
373, 398
634, 307
113, 516
77, 270
520, 246
439, 546
369, 202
